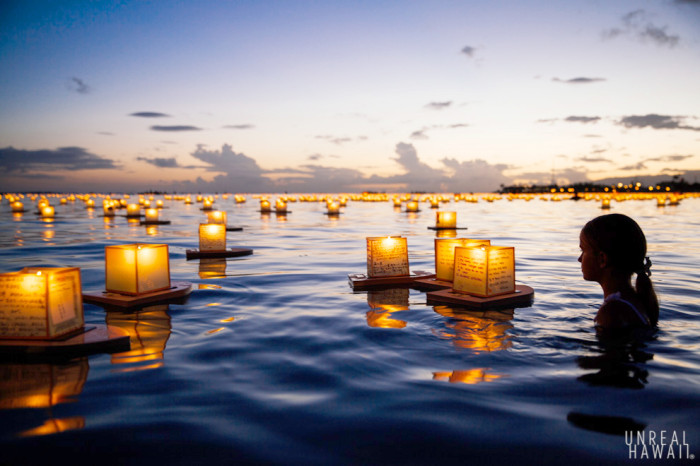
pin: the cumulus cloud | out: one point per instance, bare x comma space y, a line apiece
638, 24
438, 105
149, 115
582, 119
656, 122
579, 80
243, 126
64, 158
175, 128
78, 85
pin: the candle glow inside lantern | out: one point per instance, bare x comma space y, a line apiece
265, 205
412, 206
484, 270
216, 216
333, 208
48, 211
605, 204
387, 257
133, 210
212, 237
207, 204
17, 206
40, 303
280, 206
151, 215
445, 219
136, 269
445, 255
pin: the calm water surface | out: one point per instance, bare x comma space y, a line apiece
274, 359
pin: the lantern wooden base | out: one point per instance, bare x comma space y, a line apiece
333, 214
447, 228
432, 284
522, 297
232, 252
157, 222
234, 228
92, 338
360, 281
176, 290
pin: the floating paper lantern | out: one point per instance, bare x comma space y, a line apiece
40, 303
90, 203
133, 210
265, 205
17, 206
333, 208
212, 237
207, 204
188, 200
605, 203
387, 256
108, 208
151, 215
159, 204
136, 269
412, 206
484, 270
280, 206
445, 255
216, 216
445, 219
48, 211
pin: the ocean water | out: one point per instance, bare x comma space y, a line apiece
274, 359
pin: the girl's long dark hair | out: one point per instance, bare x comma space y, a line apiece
624, 242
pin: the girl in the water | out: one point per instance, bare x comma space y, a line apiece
613, 247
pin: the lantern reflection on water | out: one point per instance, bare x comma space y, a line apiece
149, 329
212, 267
469, 376
383, 303
480, 331
40, 303
136, 269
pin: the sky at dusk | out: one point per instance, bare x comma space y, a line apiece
336, 96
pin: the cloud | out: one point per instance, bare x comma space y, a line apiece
638, 24
149, 115
105, 133
243, 126
468, 51
655, 121
419, 134
579, 80
637, 166
593, 159
78, 85
582, 119
422, 133
438, 105
562, 177
64, 158
175, 128
669, 158
337, 140
162, 162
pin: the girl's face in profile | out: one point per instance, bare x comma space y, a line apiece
588, 259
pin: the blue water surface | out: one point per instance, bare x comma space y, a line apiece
274, 359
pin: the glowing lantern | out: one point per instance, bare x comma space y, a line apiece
151, 215
265, 205
159, 204
445, 255
434, 202
47, 211
216, 216
412, 206
397, 202
333, 208
484, 270
188, 200
90, 203
446, 219
40, 303
387, 256
207, 204
280, 206
108, 208
17, 206
212, 237
605, 204
136, 269
133, 210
